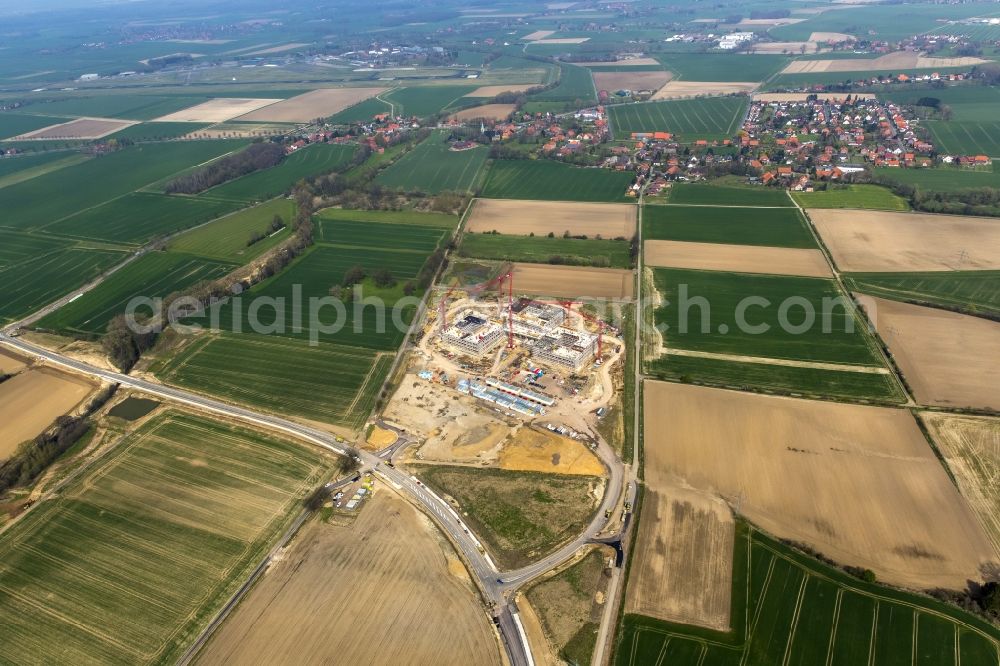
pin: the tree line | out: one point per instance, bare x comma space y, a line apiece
254, 157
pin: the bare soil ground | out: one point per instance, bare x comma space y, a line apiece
493, 91
11, 362
948, 359
379, 438
311, 105
541, 651
215, 110
513, 216
858, 484
971, 448
679, 89
684, 558
630, 80
875, 241
80, 128
633, 62
831, 37
535, 450
786, 47
31, 400
575, 282
801, 97
538, 34
487, 111
890, 61
737, 258
222, 130
383, 590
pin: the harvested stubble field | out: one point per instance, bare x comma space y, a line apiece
79, 128
153, 275
970, 446
32, 399
386, 589
510, 216
546, 180
683, 567
614, 81
948, 359
328, 383
131, 560
520, 515
577, 282
487, 111
216, 110
772, 227
791, 609
535, 450
898, 242
681, 89
736, 258
690, 119
858, 484
321, 103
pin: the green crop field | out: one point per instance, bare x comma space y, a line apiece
871, 197
409, 237
14, 124
330, 383
967, 102
140, 216
541, 249
553, 181
966, 138
130, 561
883, 22
17, 247
226, 238
702, 314
423, 101
13, 171
723, 66
33, 203
689, 119
157, 131
777, 227
154, 275
269, 183
118, 105
41, 279
361, 111
769, 377
433, 167
971, 291
788, 608
440, 220
717, 195
575, 83
943, 179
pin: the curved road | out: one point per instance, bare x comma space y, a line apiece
495, 585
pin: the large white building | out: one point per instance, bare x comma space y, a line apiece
473, 334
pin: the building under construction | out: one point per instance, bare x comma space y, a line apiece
473, 334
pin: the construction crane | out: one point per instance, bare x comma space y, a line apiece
506, 273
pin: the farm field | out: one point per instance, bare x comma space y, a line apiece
556, 217
552, 181
683, 566
722, 66
736, 373
217, 110
736, 258
388, 566
683, 89
176, 517
329, 383
613, 81
29, 286
128, 106
943, 179
78, 128
521, 516
575, 83
862, 242
852, 196
321, 103
29, 204
957, 137
31, 400
890, 61
361, 111
715, 327
772, 227
970, 446
154, 275
158, 131
442, 220
720, 195
269, 183
541, 249
26, 167
948, 359
433, 167
486, 111
138, 217
423, 101
859, 484
405, 237
576, 282
967, 102
973, 292
704, 118
787, 605
16, 124
21, 247
226, 239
